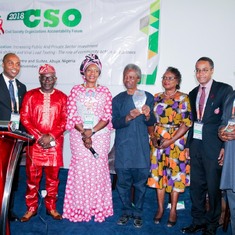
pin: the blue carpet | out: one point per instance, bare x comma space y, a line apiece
44, 225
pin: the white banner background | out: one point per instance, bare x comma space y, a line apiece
188, 30
116, 30
110, 29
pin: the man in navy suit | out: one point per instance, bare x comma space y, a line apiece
9, 110
205, 149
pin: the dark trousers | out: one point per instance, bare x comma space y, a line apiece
126, 178
205, 178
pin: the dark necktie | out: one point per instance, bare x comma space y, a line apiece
201, 102
12, 93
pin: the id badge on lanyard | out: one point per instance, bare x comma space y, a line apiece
88, 121
198, 126
15, 117
197, 130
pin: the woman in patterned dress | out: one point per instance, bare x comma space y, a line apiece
169, 166
88, 189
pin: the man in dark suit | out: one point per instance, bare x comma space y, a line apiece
205, 149
11, 68
9, 107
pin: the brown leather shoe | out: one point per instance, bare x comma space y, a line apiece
54, 214
28, 215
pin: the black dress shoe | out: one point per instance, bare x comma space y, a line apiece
123, 220
209, 232
193, 228
138, 222
13, 217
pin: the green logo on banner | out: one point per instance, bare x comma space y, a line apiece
150, 26
50, 17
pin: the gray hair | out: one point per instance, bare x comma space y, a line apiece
133, 67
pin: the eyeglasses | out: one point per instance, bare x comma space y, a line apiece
168, 78
45, 78
203, 71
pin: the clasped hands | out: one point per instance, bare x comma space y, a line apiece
227, 133
45, 141
160, 143
86, 138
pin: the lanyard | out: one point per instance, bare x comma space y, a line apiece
14, 98
198, 113
17, 106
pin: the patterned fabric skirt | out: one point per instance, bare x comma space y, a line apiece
88, 190
169, 167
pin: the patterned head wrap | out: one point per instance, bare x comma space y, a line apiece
90, 59
46, 68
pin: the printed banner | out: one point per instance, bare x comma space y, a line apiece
61, 33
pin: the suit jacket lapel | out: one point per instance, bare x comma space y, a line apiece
4, 90
19, 91
210, 99
228, 107
193, 103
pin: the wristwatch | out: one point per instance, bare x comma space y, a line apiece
52, 143
93, 131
